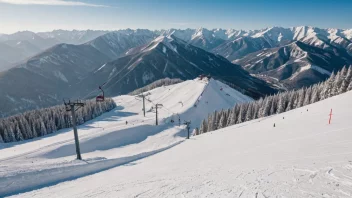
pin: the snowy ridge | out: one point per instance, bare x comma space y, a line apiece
166, 40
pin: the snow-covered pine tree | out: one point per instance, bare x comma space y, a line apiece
223, 120
349, 88
328, 85
308, 96
10, 133
349, 74
345, 80
265, 109
282, 103
217, 118
231, 120
273, 106
249, 114
203, 127
210, 122
1, 139
242, 113
336, 84
18, 133
343, 87
316, 90
291, 101
344, 71
300, 99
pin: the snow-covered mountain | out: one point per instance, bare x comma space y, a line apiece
108, 138
33, 38
330, 49
116, 44
302, 156
20, 46
295, 65
169, 56
46, 78
72, 37
240, 47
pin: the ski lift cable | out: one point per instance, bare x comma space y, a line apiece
97, 89
164, 108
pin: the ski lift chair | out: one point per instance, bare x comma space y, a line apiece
100, 98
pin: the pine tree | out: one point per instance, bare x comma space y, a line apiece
316, 90
344, 72
327, 90
242, 113
1, 139
232, 117
10, 134
349, 88
281, 105
343, 87
222, 121
336, 84
308, 96
249, 114
203, 127
265, 109
349, 75
210, 122
291, 101
18, 133
301, 95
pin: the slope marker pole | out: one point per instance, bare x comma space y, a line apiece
330, 116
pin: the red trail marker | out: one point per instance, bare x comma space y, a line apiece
330, 116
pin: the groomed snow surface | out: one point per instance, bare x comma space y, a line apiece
303, 156
108, 141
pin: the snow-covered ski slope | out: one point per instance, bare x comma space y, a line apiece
303, 156
108, 141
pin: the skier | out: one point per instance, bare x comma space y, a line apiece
126, 122
274, 124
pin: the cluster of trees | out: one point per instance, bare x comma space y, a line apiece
41, 122
337, 84
155, 84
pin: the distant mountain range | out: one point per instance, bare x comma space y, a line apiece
169, 56
39, 69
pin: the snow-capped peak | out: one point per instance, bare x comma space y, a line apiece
165, 40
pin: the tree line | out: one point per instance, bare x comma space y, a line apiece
155, 84
336, 84
45, 121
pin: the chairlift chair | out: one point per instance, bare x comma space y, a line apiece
100, 98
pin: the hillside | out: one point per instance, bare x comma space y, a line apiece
295, 65
108, 141
303, 156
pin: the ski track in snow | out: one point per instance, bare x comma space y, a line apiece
302, 156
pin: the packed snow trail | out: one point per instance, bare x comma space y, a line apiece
108, 141
302, 156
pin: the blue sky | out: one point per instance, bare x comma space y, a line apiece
45, 15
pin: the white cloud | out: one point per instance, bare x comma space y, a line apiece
50, 2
